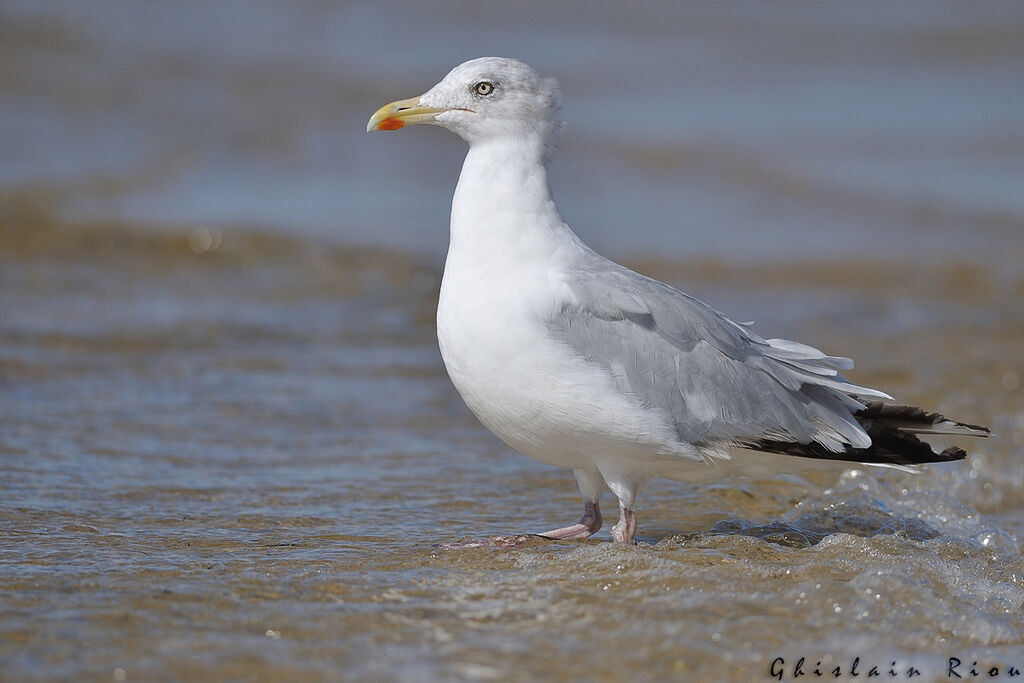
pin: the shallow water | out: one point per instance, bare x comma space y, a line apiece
228, 447
238, 463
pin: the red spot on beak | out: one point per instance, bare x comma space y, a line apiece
390, 124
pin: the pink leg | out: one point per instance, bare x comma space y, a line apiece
590, 482
624, 530
588, 525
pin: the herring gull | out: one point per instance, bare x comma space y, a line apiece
577, 361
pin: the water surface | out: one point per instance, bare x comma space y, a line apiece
228, 448
238, 464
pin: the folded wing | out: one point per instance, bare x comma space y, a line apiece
722, 385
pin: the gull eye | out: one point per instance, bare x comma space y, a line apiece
483, 88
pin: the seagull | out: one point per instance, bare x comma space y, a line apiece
579, 362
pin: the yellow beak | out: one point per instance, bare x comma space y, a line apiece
402, 113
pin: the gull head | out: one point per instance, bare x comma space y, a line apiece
482, 100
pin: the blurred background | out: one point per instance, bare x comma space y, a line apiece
719, 128
228, 447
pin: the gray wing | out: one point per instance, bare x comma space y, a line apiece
717, 381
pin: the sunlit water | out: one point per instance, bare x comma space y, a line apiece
231, 452
238, 463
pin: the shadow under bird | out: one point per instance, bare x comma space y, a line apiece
577, 361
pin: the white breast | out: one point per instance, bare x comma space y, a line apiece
533, 392
504, 277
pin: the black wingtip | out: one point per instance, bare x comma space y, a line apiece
894, 433
918, 420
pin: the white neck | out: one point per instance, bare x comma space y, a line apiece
502, 207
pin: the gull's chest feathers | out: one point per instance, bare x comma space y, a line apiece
490, 325
504, 281
500, 284
531, 390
